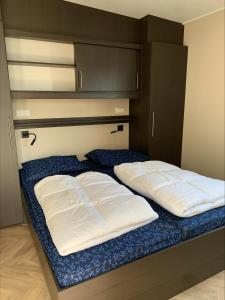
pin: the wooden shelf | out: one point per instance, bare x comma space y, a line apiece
39, 64
62, 122
67, 39
73, 95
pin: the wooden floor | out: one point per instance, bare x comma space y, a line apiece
21, 276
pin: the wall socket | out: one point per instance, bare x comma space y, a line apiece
119, 110
22, 112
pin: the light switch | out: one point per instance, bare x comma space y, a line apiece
119, 110
22, 112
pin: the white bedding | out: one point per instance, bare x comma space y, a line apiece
181, 192
89, 209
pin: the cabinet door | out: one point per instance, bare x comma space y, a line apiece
106, 69
10, 200
167, 95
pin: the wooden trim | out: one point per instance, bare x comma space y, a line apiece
66, 39
62, 122
158, 276
73, 95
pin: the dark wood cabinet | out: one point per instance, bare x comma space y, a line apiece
10, 200
167, 94
106, 69
158, 125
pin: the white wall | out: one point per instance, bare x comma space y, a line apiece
70, 140
203, 140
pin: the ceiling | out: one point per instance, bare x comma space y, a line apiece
177, 10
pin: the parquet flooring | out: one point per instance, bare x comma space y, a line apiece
21, 276
210, 289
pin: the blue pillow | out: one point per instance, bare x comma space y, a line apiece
53, 165
111, 158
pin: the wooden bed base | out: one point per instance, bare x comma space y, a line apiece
158, 276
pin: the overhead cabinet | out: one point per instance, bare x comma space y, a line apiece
111, 71
106, 69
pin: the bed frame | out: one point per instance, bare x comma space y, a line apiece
157, 276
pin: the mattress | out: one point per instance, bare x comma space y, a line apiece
194, 226
81, 266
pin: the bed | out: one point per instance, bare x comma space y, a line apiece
157, 260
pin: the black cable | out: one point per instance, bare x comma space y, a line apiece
34, 139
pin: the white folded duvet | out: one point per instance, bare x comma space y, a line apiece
89, 209
181, 192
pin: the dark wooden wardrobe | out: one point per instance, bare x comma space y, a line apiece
158, 115
10, 200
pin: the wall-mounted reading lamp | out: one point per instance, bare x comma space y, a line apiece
119, 128
26, 134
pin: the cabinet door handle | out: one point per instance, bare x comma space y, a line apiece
137, 81
10, 132
81, 79
153, 123
76, 79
